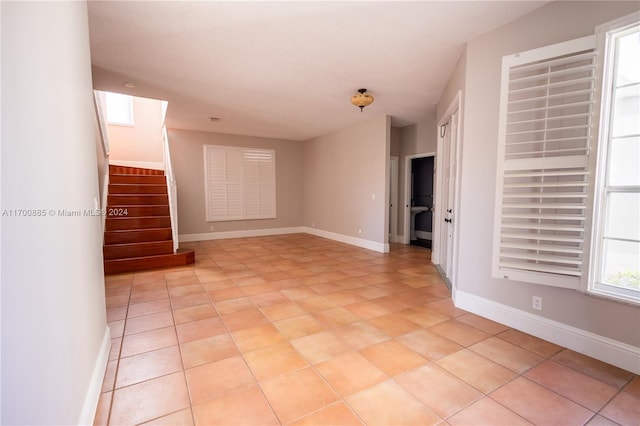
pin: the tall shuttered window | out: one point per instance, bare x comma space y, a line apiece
542, 201
568, 181
240, 183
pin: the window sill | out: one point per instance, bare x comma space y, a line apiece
611, 297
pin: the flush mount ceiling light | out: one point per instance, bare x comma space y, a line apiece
362, 99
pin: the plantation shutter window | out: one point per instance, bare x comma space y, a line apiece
239, 183
542, 189
259, 178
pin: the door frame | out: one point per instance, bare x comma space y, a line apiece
407, 192
439, 213
393, 198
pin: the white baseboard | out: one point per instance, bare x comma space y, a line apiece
359, 242
183, 238
95, 386
603, 348
155, 165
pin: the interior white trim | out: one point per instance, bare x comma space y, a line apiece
455, 107
359, 242
105, 197
100, 105
603, 348
95, 385
354, 241
394, 171
240, 234
155, 165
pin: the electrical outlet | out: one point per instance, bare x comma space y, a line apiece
212, 228
313, 224
537, 303
360, 232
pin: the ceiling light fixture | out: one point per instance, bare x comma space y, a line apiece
362, 99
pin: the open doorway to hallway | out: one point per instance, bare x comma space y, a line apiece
419, 199
421, 231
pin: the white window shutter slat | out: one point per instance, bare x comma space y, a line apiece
239, 183
542, 185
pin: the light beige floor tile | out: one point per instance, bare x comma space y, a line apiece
389, 404
297, 394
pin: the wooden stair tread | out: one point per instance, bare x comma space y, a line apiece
134, 175
144, 229
182, 257
115, 169
137, 249
140, 210
137, 217
138, 233
133, 194
137, 179
142, 222
137, 199
135, 244
141, 235
136, 185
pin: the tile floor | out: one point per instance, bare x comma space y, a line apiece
301, 330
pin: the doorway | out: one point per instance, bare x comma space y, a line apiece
422, 201
446, 213
419, 199
393, 199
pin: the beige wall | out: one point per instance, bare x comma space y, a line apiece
394, 149
556, 22
188, 165
54, 331
342, 171
456, 83
420, 137
142, 141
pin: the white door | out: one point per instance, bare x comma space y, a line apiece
448, 195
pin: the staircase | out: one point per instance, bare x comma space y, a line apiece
138, 224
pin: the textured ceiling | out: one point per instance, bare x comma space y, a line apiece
286, 69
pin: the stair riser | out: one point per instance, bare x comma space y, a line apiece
139, 264
137, 211
125, 237
129, 200
123, 170
138, 226
137, 189
137, 250
114, 224
137, 179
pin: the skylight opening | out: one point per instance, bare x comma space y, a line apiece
119, 109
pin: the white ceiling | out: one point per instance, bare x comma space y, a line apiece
286, 69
